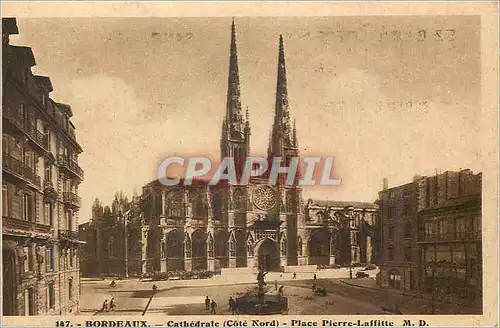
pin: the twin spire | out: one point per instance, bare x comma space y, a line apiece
235, 123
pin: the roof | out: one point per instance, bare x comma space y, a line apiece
44, 82
65, 107
406, 185
342, 204
24, 54
9, 26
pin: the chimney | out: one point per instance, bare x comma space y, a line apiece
385, 184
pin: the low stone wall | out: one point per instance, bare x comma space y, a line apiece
301, 268
238, 271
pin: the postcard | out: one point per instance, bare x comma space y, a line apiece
253, 164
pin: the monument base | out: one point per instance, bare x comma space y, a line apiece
261, 301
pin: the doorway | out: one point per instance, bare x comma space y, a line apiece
267, 255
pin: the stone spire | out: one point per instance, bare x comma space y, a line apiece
234, 115
235, 138
282, 134
294, 136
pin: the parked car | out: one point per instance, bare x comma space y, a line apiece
371, 267
361, 274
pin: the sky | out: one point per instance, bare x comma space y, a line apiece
388, 97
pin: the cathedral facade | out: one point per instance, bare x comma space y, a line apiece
255, 225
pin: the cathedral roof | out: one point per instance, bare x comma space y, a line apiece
343, 204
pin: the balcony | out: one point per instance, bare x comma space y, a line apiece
71, 199
68, 235
70, 166
450, 237
27, 127
20, 170
23, 227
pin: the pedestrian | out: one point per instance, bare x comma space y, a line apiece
232, 305
104, 306
314, 277
155, 288
294, 275
213, 307
276, 284
112, 304
207, 303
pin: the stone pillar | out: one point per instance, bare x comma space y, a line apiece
163, 256
144, 249
283, 252
232, 257
211, 264
188, 264
163, 209
187, 254
368, 250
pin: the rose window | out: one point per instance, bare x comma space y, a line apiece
264, 198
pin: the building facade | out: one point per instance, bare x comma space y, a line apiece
431, 236
399, 227
107, 252
40, 202
255, 225
450, 238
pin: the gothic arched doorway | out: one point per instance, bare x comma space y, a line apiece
199, 250
319, 247
267, 255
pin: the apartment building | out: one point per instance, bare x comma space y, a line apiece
432, 236
450, 238
399, 227
40, 179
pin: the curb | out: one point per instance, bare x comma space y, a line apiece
410, 295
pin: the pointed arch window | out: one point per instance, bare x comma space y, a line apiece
332, 245
187, 246
210, 246
220, 244
174, 245
197, 205
198, 244
111, 247
250, 246
163, 250
283, 246
232, 246
239, 199
299, 246
174, 205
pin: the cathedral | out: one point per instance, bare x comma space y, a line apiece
257, 225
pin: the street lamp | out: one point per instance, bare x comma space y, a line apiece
125, 228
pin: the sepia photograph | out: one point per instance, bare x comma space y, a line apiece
246, 165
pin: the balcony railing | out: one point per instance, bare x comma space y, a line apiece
451, 236
68, 235
71, 199
19, 169
27, 126
25, 226
70, 165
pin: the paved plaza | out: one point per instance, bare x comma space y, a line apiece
345, 296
